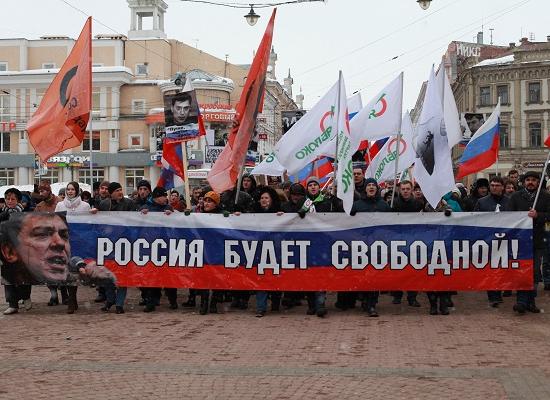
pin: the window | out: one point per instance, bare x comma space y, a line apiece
141, 69
133, 176
534, 134
504, 136
96, 104
534, 92
7, 176
5, 107
138, 106
4, 142
485, 96
98, 175
51, 175
502, 92
4, 66
135, 140
49, 65
96, 141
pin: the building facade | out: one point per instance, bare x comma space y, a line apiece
130, 75
520, 76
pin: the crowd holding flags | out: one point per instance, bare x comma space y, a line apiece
335, 127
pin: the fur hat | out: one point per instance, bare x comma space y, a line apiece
145, 183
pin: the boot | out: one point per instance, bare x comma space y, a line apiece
432, 297
54, 300
310, 304
191, 302
213, 309
72, 303
64, 295
204, 303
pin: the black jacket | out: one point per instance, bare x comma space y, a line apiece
123, 205
522, 200
370, 204
410, 205
490, 202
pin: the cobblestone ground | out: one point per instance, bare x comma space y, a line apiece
477, 352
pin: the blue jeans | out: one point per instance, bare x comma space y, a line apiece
316, 300
261, 300
115, 295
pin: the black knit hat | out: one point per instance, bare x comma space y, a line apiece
297, 188
114, 186
159, 192
145, 183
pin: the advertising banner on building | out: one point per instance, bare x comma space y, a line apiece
374, 251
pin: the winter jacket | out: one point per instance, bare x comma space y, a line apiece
123, 205
77, 206
523, 200
371, 204
490, 203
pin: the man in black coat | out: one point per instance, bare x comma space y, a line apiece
495, 201
523, 200
370, 202
405, 202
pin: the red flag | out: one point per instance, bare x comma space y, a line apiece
61, 119
225, 171
547, 141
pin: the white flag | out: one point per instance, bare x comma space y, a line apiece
383, 166
433, 166
344, 152
381, 117
302, 143
269, 166
450, 111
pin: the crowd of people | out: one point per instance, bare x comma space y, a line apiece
486, 195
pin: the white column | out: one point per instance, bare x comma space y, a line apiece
155, 19
22, 176
114, 174
114, 140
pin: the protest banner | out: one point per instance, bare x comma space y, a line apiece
375, 251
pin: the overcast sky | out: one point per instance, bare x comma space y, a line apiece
314, 40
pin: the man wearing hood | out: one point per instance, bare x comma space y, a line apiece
370, 202
49, 200
523, 200
479, 190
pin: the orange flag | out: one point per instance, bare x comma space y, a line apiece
61, 119
225, 171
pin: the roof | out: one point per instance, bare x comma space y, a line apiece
509, 59
200, 75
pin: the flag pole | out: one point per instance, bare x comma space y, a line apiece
90, 144
498, 151
541, 180
398, 143
334, 188
185, 175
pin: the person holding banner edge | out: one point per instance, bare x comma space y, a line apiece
536, 202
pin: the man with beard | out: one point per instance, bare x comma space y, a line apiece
49, 200
144, 194
371, 202
523, 200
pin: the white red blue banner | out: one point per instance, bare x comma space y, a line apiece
374, 251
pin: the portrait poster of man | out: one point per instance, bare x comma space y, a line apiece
470, 123
35, 249
181, 114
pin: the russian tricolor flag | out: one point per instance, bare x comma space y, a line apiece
172, 173
482, 149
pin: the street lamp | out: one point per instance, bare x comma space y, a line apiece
252, 17
424, 4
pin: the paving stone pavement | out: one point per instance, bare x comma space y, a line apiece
477, 352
